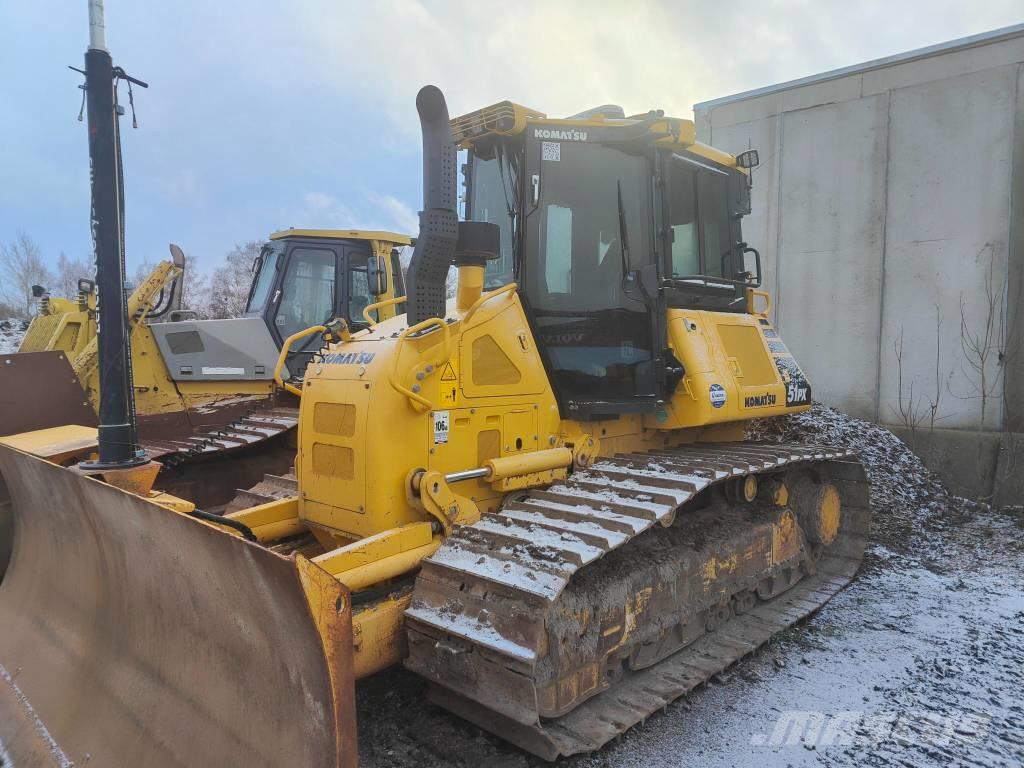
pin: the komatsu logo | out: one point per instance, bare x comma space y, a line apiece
562, 339
549, 133
349, 358
759, 401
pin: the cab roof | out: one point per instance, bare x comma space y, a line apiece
507, 118
344, 234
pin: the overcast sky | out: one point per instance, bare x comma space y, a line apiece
263, 115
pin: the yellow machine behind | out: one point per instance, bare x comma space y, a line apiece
537, 495
204, 388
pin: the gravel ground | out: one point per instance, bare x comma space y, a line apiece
919, 662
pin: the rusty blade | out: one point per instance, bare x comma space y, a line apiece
41, 390
132, 635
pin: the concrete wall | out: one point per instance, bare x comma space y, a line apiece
889, 205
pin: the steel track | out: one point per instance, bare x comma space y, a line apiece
483, 622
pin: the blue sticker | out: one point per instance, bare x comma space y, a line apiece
717, 395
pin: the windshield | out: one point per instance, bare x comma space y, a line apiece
264, 281
491, 197
591, 198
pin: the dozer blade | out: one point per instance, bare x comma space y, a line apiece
132, 635
41, 390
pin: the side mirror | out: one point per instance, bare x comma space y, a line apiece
377, 276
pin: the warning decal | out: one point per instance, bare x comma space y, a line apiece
448, 374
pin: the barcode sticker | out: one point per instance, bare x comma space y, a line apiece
442, 423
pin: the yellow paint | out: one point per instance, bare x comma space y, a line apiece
785, 538
829, 514
56, 444
345, 234
174, 503
377, 639
375, 548
470, 286
271, 521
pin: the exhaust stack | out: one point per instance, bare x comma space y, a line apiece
443, 239
439, 219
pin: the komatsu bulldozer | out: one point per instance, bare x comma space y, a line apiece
538, 496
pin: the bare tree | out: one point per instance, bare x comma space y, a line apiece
989, 346
229, 284
21, 264
69, 272
194, 288
142, 272
909, 408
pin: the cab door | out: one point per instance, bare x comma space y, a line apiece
306, 295
589, 275
357, 295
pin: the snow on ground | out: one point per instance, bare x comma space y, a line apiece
917, 663
11, 332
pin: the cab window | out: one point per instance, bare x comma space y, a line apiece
307, 291
359, 297
268, 266
491, 196
699, 221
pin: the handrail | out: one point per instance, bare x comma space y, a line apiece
484, 298
284, 353
380, 305
752, 294
430, 321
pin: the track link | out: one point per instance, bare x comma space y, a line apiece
259, 424
577, 611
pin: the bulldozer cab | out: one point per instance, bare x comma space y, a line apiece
304, 278
605, 224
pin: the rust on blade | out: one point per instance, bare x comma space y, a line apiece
133, 635
40, 390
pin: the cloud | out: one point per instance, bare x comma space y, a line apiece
320, 210
180, 186
564, 57
400, 216
367, 209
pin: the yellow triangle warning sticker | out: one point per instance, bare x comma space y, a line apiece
448, 374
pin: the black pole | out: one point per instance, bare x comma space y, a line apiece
118, 443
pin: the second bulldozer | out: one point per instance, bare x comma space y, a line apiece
538, 496
204, 387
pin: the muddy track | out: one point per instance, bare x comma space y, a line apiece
490, 604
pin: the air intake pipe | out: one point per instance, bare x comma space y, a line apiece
439, 219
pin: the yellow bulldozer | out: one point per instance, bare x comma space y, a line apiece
538, 496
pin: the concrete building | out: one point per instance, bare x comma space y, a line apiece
889, 213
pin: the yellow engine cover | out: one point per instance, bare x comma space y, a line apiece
736, 368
